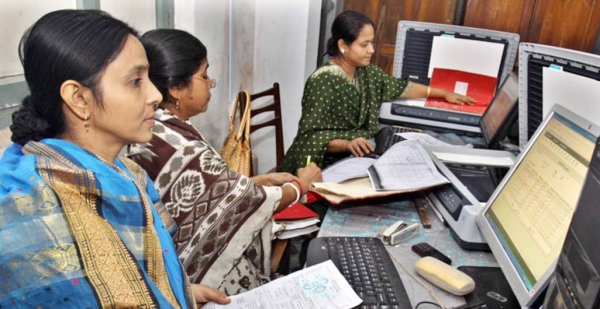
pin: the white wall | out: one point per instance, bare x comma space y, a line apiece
286, 51
209, 21
251, 44
139, 14
271, 41
15, 18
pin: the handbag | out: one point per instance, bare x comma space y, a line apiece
236, 150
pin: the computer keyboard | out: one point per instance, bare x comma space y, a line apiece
387, 137
366, 265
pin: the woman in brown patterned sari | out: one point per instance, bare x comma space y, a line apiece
224, 219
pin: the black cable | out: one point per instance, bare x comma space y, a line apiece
427, 303
480, 305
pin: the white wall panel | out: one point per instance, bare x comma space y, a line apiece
139, 14
16, 16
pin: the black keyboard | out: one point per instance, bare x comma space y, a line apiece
386, 137
366, 265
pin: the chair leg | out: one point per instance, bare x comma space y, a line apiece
279, 256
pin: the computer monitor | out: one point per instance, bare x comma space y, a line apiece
526, 219
576, 282
502, 112
414, 41
577, 76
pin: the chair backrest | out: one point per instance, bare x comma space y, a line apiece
273, 107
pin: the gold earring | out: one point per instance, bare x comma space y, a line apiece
343, 51
86, 124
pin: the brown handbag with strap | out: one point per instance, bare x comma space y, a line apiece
236, 150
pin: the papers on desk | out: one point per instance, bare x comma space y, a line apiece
405, 166
475, 159
350, 168
297, 228
350, 190
473, 156
320, 286
426, 139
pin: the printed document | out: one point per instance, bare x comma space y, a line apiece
405, 166
426, 139
320, 286
350, 168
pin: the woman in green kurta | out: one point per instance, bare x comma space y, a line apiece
340, 105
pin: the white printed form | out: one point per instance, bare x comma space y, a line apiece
461, 87
405, 166
320, 286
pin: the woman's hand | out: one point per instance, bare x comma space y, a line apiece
359, 147
458, 98
204, 293
273, 179
309, 174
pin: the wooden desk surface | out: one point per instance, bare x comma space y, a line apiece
370, 221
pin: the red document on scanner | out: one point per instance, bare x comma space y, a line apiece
480, 87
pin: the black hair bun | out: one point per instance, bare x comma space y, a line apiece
27, 125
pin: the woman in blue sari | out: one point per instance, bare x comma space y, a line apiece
79, 226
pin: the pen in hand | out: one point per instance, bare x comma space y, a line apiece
308, 161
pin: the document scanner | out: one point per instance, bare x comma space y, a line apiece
412, 60
455, 202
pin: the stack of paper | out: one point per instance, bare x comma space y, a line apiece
295, 220
404, 167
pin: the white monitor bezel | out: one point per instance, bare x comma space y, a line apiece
524, 297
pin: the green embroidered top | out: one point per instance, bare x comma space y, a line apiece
333, 107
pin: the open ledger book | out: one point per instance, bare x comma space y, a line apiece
404, 167
320, 286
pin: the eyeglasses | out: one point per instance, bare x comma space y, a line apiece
212, 83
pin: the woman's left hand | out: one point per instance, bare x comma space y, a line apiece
458, 98
204, 293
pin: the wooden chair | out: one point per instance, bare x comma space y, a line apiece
275, 121
279, 247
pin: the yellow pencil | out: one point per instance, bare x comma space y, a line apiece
307, 160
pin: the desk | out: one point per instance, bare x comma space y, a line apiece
369, 220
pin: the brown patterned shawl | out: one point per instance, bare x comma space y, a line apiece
224, 219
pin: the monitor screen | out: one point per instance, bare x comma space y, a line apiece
577, 276
526, 219
501, 113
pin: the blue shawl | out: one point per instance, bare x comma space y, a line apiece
77, 232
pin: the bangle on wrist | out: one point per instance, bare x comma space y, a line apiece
299, 186
428, 91
295, 189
